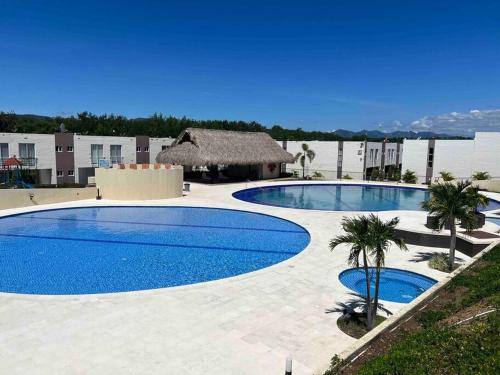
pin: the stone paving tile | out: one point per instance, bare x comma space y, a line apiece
243, 325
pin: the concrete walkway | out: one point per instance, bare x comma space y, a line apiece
247, 324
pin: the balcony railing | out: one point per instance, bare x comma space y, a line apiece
113, 160
27, 162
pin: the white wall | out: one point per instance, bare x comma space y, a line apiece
155, 145
353, 159
486, 153
415, 157
325, 160
455, 156
373, 159
83, 155
44, 148
390, 149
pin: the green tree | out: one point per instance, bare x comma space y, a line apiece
446, 176
449, 202
409, 177
306, 153
369, 238
481, 176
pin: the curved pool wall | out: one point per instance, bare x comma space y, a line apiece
395, 285
116, 249
340, 197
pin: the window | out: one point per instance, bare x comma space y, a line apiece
361, 145
96, 154
59, 149
116, 154
146, 149
137, 149
60, 174
70, 149
430, 158
163, 147
371, 154
71, 173
27, 154
4, 152
360, 152
376, 154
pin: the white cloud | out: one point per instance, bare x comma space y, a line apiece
456, 123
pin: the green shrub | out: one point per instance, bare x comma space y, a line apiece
347, 177
439, 262
409, 177
481, 176
446, 176
430, 317
336, 366
442, 351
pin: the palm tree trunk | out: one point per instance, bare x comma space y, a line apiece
369, 315
377, 285
453, 241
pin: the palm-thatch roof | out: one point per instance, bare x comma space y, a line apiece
205, 147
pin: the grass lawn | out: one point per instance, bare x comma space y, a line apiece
436, 340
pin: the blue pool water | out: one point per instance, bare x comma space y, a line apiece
336, 197
493, 220
395, 285
116, 249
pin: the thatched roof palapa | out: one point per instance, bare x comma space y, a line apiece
205, 147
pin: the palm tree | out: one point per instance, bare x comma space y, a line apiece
356, 230
446, 176
305, 153
481, 176
449, 202
381, 234
369, 236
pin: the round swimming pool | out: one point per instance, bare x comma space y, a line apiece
117, 249
395, 285
340, 197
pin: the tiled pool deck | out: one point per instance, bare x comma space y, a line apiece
247, 324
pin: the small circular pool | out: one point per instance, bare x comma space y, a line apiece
116, 249
395, 285
340, 197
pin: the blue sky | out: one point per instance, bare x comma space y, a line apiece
312, 64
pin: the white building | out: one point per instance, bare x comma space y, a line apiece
459, 157
65, 158
336, 159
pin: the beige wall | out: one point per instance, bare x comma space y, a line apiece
139, 184
490, 185
14, 198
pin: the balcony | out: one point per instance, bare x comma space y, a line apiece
27, 162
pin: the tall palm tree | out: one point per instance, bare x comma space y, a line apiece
305, 153
356, 230
381, 234
449, 202
369, 236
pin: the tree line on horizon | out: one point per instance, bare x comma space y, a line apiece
155, 126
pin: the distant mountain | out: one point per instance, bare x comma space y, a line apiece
377, 134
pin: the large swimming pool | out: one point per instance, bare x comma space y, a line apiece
117, 249
339, 197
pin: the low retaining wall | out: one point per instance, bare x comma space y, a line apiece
140, 182
489, 185
439, 240
15, 198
